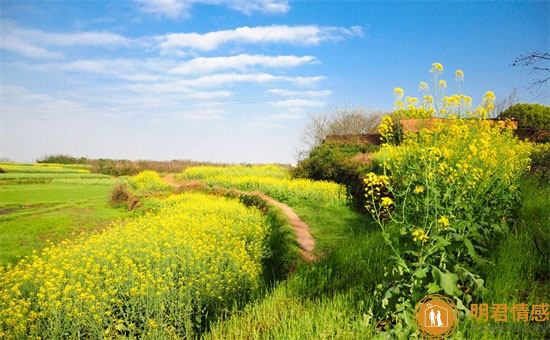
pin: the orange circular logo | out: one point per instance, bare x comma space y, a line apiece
436, 316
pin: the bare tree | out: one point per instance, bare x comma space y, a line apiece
512, 98
538, 63
343, 121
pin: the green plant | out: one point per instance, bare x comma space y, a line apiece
442, 198
533, 120
147, 182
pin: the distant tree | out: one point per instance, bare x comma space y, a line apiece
538, 63
511, 99
344, 121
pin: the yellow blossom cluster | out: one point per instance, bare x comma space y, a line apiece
420, 235
200, 172
156, 276
376, 191
385, 129
147, 182
283, 189
459, 167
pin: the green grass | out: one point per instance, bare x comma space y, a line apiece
328, 299
30, 214
331, 298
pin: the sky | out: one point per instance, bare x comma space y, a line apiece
236, 81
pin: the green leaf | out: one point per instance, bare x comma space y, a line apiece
433, 288
420, 273
447, 281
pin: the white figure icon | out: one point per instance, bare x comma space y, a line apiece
432, 318
439, 323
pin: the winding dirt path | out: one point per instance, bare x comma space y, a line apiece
301, 229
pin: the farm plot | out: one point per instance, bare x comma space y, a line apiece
161, 275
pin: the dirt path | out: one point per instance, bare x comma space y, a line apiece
301, 229
170, 180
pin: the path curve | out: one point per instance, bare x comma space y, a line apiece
301, 229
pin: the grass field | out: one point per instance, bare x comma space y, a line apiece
332, 298
30, 214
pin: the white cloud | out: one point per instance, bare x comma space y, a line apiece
240, 62
295, 103
299, 35
179, 8
217, 80
166, 8
18, 46
15, 100
293, 93
33, 42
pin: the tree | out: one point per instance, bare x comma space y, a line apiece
539, 63
511, 99
345, 121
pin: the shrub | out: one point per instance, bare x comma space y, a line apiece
533, 120
337, 162
120, 195
147, 182
540, 162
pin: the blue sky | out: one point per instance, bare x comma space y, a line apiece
235, 81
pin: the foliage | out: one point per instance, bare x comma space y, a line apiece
335, 162
122, 167
160, 275
63, 159
540, 161
282, 189
441, 198
119, 195
147, 182
533, 120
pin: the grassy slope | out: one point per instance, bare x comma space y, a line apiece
329, 299
51, 211
518, 272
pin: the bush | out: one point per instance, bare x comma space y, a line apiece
147, 182
335, 162
533, 120
540, 162
120, 195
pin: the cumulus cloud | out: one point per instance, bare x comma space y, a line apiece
181, 8
299, 35
240, 62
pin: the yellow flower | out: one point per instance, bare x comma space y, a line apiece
443, 221
398, 92
436, 67
386, 201
459, 74
443, 84
419, 189
423, 86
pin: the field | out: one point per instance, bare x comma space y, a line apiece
203, 256
51, 205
